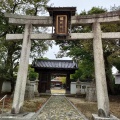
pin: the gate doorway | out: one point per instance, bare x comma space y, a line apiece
49, 70
58, 85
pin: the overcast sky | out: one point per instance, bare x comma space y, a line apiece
85, 4
80, 5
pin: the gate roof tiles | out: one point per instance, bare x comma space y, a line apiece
54, 64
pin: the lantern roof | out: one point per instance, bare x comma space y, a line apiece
61, 10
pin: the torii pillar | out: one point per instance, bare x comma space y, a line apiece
101, 86
22, 72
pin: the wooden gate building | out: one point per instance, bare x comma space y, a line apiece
47, 68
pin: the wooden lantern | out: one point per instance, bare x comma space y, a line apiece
61, 20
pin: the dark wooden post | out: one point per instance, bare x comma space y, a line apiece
68, 83
48, 82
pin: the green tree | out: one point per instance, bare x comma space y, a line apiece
10, 51
63, 80
82, 52
32, 75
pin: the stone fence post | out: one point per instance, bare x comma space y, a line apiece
78, 88
91, 94
29, 91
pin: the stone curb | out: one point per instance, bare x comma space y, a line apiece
34, 117
28, 116
77, 109
24, 116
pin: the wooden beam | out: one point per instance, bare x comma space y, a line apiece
42, 22
75, 20
26, 17
111, 35
73, 36
13, 37
43, 36
102, 18
78, 36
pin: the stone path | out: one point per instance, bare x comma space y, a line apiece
59, 108
58, 91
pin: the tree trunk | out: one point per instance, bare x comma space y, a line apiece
1, 83
12, 87
110, 85
9, 65
109, 76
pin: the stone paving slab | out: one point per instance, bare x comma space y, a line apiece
96, 117
58, 91
24, 116
59, 108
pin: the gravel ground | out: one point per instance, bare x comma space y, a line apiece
59, 108
88, 108
29, 105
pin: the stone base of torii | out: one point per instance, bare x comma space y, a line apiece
96, 117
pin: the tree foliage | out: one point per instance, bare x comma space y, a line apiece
32, 75
63, 80
10, 51
81, 51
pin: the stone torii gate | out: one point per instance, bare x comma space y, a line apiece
97, 35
